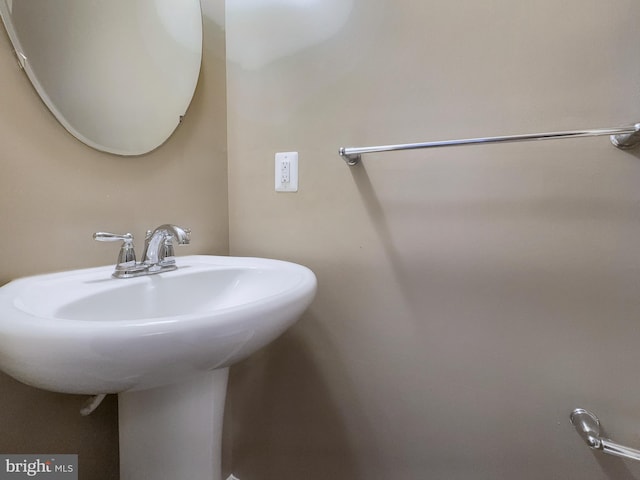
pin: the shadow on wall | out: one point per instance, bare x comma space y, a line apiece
35, 421
613, 468
288, 426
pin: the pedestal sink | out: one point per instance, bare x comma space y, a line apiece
162, 342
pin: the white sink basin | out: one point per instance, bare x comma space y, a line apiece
84, 332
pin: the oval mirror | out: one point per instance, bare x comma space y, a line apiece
118, 74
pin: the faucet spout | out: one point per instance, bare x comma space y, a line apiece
158, 248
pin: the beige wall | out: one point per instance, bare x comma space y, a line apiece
55, 192
469, 298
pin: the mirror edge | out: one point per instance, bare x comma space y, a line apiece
23, 62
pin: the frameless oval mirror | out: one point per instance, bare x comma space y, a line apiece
118, 74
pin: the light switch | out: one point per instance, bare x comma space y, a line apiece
286, 168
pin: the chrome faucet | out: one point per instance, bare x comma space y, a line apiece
158, 253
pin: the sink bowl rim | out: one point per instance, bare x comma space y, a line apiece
9, 292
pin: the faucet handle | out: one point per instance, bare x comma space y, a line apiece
127, 256
112, 237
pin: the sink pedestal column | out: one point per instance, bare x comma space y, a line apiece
173, 432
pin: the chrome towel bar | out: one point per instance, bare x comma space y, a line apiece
622, 137
588, 427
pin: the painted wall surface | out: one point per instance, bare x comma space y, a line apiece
469, 298
55, 192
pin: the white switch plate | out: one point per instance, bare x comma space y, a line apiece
286, 168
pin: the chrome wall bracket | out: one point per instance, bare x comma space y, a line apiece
627, 141
588, 427
622, 137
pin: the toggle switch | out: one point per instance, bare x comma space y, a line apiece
286, 168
